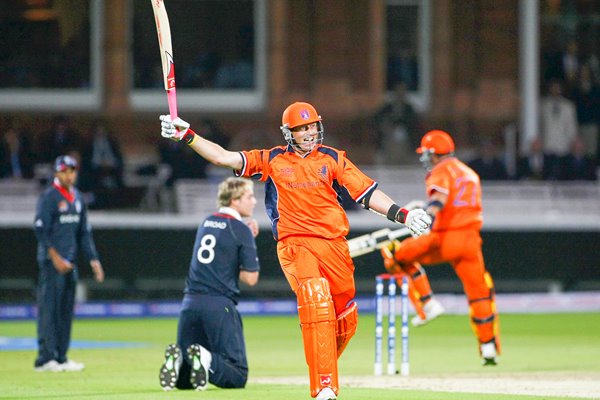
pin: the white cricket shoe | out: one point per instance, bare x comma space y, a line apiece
432, 309
169, 371
200, 369
488, 354
51, 365
326, 394
72, 366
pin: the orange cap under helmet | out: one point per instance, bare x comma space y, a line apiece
437, 142
298, 114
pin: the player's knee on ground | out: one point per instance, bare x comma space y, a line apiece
236, 379
347, 323
318, 323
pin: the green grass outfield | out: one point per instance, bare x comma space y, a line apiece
540, 352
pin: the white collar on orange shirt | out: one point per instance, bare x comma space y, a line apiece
230, 211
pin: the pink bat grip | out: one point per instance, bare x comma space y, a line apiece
172, 99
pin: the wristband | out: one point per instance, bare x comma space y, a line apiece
189, 136
397, 214
392, 211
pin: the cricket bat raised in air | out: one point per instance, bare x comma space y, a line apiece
166, 53
375, 240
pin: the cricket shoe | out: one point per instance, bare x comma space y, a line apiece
432, 310
326, 394
488, 354
199, 374
169, 372
72, 366
52, 366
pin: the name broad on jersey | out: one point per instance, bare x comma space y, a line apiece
215, 224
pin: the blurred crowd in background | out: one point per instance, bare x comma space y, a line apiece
567, 147
25, 155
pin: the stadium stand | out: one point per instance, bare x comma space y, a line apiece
539, 209
543, 202
18, 196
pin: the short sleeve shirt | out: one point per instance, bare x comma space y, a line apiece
463, 187
302, 193
224, 246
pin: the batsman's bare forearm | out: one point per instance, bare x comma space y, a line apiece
215, 154
417, 221
380, 202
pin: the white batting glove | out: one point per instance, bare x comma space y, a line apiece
418, 222
174, 130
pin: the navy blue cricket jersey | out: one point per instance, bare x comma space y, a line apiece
61, 222
224, 246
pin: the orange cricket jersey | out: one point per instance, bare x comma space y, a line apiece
462, 185
302, 193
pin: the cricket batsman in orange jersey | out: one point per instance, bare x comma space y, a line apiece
454, 203
303, 181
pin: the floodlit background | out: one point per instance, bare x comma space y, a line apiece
502, 76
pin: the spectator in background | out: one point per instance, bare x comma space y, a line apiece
402, 67
211, 131
16, 158
579, 165
102, 165
237, 68
488, 165
558, 127
178, 158
593, 63
201, 73
396, 124
587, 101
570, 65
184, 162
235, 73
59, 140
533, 165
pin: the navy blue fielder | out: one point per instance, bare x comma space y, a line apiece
210, 328
61, 227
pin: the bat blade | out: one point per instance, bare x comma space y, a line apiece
375, 240
163, 29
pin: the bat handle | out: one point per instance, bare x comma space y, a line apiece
172, 100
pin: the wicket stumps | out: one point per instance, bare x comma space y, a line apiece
380, 283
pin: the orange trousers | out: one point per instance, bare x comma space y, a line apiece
321, 273
462, 249
305, 257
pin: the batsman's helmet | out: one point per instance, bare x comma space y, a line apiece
298, 114
434, 142
64, 162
